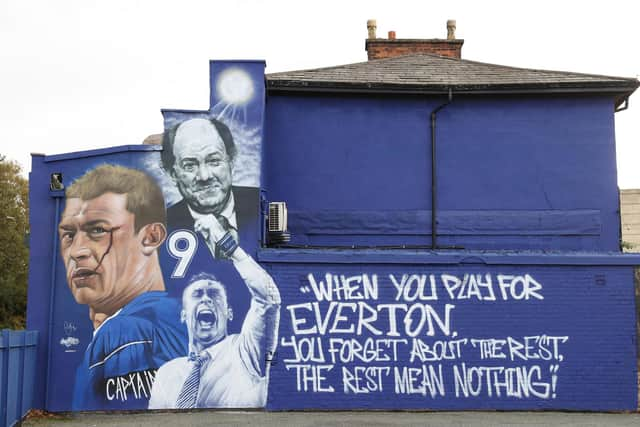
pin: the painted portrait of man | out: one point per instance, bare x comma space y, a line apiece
222, 370
113, 223
199, 156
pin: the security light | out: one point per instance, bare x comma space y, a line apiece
56, 182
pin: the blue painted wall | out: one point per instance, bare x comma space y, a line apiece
519, 178
51, 309
510, 337
513, 173
71, 352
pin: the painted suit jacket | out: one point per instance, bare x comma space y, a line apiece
246, 209
179, 220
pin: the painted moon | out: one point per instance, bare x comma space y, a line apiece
235, 86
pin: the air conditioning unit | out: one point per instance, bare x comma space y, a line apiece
277, 216
277, 224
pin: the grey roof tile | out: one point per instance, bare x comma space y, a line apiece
432, 73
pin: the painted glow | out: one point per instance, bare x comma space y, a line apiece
234, 86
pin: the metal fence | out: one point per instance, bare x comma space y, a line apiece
17, 374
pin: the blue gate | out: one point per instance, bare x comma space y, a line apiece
17, 364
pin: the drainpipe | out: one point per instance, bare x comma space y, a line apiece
434, 197
52, 297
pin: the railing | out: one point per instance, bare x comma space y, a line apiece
17, 374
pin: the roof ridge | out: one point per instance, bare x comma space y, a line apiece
431, 73
447, 58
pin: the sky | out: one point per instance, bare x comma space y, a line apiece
84, 74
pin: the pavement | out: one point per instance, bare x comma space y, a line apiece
330, 419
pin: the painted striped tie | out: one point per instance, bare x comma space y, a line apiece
224, 222
189, 394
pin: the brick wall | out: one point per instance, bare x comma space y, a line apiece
341, 349
383, 48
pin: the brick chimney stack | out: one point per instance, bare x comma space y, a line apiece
388, 48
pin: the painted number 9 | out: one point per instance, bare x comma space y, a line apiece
182, 245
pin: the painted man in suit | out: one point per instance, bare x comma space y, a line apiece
199, 155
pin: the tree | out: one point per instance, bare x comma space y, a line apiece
14, 253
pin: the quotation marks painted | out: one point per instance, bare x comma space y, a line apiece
554, 378
351, 339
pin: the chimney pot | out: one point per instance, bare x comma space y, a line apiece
372, 25
451, 29
380, 48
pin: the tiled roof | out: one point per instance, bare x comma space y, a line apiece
425, 73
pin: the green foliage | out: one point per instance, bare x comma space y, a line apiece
626, 246
14, 253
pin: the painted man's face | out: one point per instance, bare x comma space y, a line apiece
202, 169
206, 312
101, 251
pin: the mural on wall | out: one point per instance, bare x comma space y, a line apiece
168, 308
222, 369
182, 314
110, 230
403, 344
445, 338
212, 159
